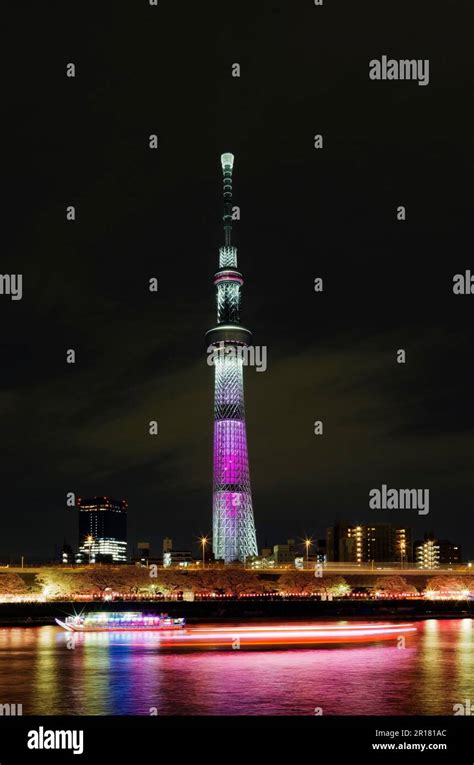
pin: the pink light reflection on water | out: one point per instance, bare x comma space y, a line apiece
127, 674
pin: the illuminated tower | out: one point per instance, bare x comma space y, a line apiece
232, 517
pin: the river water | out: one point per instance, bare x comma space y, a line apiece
116, 674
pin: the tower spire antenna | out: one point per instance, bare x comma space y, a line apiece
227, 162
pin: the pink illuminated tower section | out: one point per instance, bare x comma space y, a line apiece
232, 514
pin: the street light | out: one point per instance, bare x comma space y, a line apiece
204, 541
308, 543
90, 539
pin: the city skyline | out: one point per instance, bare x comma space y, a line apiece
102, 532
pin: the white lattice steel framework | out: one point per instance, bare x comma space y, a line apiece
233, 524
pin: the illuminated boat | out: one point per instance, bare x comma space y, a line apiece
282, 636
126, 621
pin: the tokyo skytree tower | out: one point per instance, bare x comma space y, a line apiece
233, 524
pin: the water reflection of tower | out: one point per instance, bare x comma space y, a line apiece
234, 535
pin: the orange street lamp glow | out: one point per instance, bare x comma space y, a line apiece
90, 539
204, 541
308, 543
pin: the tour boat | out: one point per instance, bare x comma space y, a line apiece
126, 621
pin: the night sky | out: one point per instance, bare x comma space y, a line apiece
305, 213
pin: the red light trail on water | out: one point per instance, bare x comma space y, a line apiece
269, 636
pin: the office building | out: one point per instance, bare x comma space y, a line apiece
102, 530
378, 542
